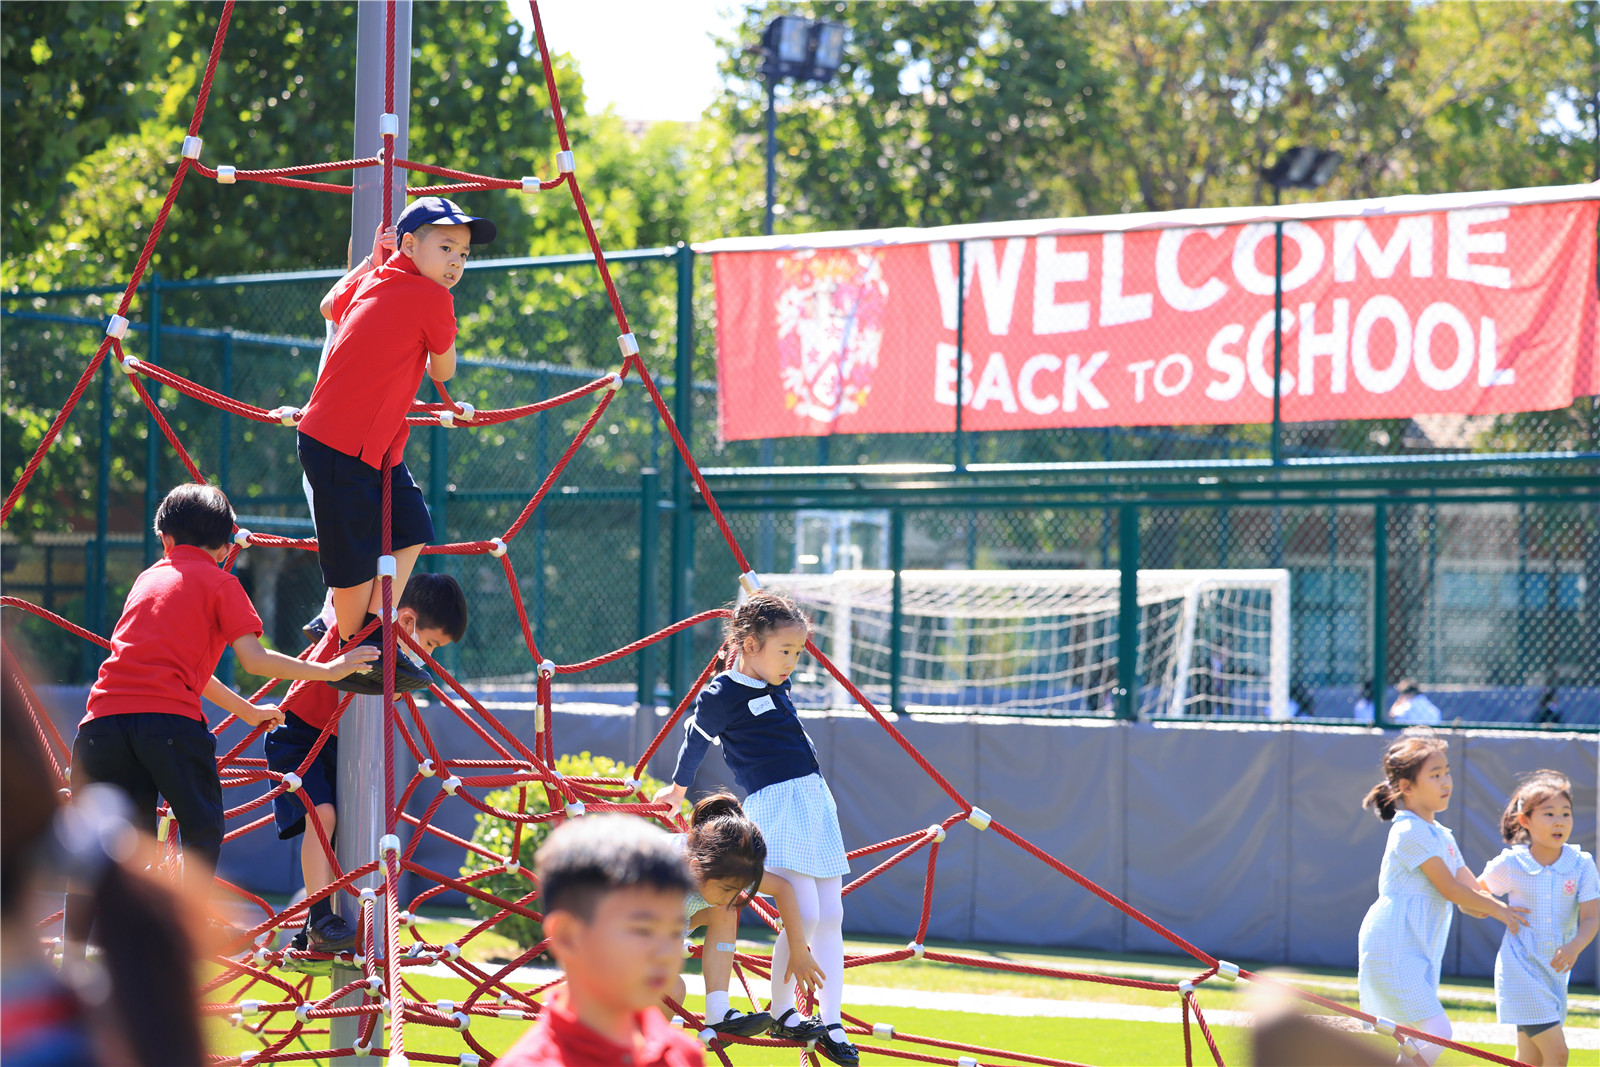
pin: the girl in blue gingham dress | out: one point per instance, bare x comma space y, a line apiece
1556, 881
1403, 935
748, 711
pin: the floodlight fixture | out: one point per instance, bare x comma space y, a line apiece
827, 50
795, 48
1301, 167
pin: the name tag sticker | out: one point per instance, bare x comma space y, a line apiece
761, 704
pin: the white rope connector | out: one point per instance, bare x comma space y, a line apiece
503, 998
236, 1020
530, 184
510, 1013
447, 419
387, 567
445, 1006
575, 809
452, 951
227, 175
1186, 988
117, 327
363, 1050
291, 781
250, 1007
499, 548
242, 538
749, 582
388, 845
467, 1059
425, 768
191, 147
451, 784
613, 383
248, 1056
388, 125
980, 819
629, 344
131, 364
1383, 1026
565, 162
374, 986
916, 949
966, 1061
677, 1020
936, 832
632, 784
883, 1030
688, 948
286, 415
548, 669
1229, 971
462, 1020
405, 918
512, 866
302, 1013
259, 958
368, 895
466, 412
707, 1036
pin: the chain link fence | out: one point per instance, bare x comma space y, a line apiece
1490, 602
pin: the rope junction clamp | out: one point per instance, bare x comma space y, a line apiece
513, 866
291, 782
467, 1059
131, 364
749, 582
916, 949
966, 1061
288, 416
191, 147
451, 784
707, 1036
1383, 1026
883, 1030
565, 162
547, 668
1230, 971
425, 768
499, 548
980, 819
405, 918
387, 568
613, 383
1185, 988
530, 184
368, 894
117, 327
227, 175
575, 809
388, 125
388, 845
629, 344
936, 832
242, 538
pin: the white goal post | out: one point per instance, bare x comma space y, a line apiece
1211, 642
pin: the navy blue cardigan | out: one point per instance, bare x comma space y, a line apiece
759, 730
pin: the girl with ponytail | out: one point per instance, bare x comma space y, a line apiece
727, 856
1404, 933
1556, 881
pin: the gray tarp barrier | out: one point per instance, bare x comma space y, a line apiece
1246, 839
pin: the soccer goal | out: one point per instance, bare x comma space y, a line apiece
1211, 642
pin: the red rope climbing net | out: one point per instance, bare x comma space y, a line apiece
261, 989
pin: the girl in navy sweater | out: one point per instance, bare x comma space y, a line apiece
747, 710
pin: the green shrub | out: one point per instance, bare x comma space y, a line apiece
495, 834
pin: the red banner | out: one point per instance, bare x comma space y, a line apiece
1479, 310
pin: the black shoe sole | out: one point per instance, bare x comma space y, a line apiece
796, 1033
752, 1025
408, 678
823, 1048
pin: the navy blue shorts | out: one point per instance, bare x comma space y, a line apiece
286, 750
347, 507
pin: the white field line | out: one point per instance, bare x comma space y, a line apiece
1034, 1007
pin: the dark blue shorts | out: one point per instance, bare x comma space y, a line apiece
286, 750
347, 507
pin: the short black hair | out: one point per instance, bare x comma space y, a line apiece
438, 601
586, 858
196, 514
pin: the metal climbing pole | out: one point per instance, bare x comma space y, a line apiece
362, 798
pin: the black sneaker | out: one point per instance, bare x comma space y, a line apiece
408, 676
792, 1026
738, 1024
328, 934
315, 630
839, 1049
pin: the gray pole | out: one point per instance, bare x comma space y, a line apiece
362, 798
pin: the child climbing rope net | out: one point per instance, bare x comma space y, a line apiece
258, 988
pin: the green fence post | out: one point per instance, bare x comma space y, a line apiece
897, 563
649, 555
225, 453
1380, 613
438, 491
1128, 612
681, 587
152, 451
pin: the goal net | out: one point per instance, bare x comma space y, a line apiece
1211, 642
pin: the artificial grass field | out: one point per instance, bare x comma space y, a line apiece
1098, 1041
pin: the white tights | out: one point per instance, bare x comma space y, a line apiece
822, 915
1438, 1026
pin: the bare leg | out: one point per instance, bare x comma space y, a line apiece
350, 608
716, 962
1550, 1047
314, 863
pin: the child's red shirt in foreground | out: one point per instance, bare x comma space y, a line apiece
390, 319
179, 616
315, 704
558, 1039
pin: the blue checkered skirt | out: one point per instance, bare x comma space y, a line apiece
800, 822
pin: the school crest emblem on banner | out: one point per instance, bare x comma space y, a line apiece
830, 329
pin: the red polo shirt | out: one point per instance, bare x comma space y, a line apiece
558, 1039
179, 616
315, 704
389, 320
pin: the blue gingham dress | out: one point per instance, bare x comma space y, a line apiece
800, 822
1527, 990
1404, 933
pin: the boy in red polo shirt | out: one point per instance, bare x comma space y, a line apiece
395, 321
612, 889
144, 730
433, 610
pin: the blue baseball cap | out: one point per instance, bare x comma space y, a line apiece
437, 211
